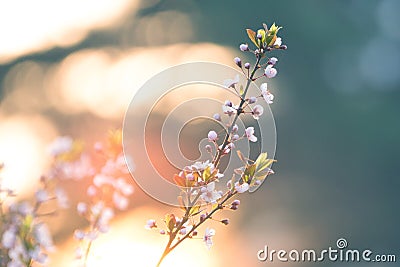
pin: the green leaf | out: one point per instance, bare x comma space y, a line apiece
248, 173
241, 90
263, 35
263, 162
170, 221
194, 210
233, 180
207, 174
252, 36
262, 170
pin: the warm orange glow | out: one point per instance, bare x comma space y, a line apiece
103, 81
129, 244
23, 151
32, 26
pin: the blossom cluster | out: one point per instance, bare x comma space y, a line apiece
109, 191
25, 238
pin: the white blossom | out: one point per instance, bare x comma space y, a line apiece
278, 41
250, 134
209, 233
150, 224
270, 71
241, 188
231, 82
209, 194
60, 146
258, 110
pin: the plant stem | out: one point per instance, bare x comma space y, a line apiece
169, 247
219, 207
243, 97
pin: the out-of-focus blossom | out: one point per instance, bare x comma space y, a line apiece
41, 195
60, 146
62, 198
150, 224
81, 208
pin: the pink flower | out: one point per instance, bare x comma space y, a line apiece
272, 61
241, 188
270, 71
150, 224
258, 110
268, 97
208, 237
250, 134
231, 82
244, 47
209, 194
81, 208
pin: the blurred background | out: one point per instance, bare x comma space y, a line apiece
72, 67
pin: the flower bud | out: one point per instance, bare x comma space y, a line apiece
235, 128
284, 47
228, 103
247, 65
244, 47
202, 217
235, 137
259, 36
236, 202
238, 62
272, 61
217, 117
234, 207
162, 232
225, 221
252, 100
212, 136
81, 208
